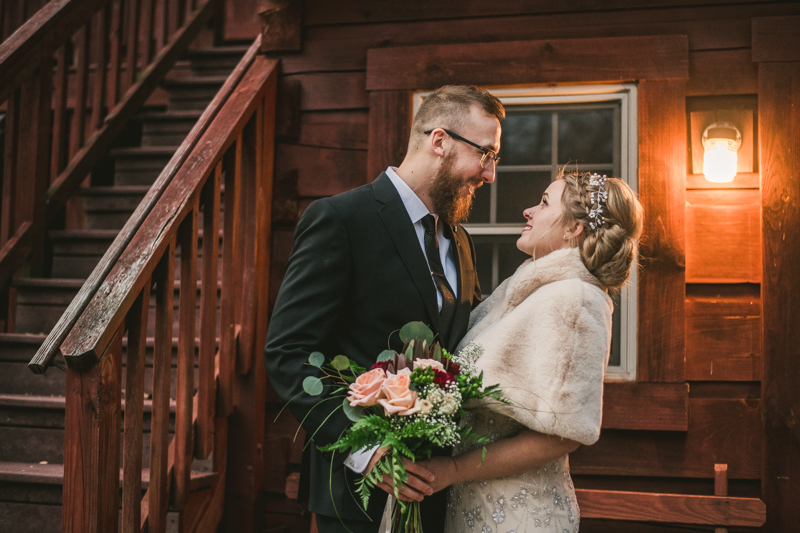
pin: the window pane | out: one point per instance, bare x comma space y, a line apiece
614, 359
517, 191
526, 138
509, 258
480, 205
483, 258
586, 136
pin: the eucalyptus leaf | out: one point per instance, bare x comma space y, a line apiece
312, 385
437, 353
386, 355
353, 413
416, 330
316, 359
340, 362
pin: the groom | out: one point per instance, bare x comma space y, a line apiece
365, 263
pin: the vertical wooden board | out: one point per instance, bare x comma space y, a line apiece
662, 191
723, 229
248, 286
60, 90
132, 18
779, 129
390, 117
83, 48
721, 72
91, 452
10, 164
723, 338
100, 45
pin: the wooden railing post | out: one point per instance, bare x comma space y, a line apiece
91, 444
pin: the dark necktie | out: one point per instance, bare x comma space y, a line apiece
448, 297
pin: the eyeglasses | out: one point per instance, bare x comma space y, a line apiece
488, 156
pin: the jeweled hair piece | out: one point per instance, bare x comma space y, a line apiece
598, 198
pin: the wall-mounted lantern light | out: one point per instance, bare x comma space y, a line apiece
721, 142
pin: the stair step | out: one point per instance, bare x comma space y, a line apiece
215, 61
42, 301
191, 92
168, 128
140, 165
77, 252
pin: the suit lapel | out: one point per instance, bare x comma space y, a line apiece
398, 225
466, 285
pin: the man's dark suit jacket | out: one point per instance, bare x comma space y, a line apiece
356, 274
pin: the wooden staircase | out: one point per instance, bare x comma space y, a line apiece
32, 406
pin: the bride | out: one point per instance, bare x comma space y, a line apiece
544, 335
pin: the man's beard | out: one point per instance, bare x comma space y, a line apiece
445, 193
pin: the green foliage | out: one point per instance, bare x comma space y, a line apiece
316, 359
416, 330
353, 413
313, 386
341, 362
386, 355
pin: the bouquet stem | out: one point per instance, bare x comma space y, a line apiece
407, 518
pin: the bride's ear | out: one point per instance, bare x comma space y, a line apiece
575, 230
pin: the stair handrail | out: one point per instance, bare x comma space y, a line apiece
234, 152
49, 349
49, 159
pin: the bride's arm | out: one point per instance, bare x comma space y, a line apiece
504, 457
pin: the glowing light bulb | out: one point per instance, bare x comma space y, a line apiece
721, 142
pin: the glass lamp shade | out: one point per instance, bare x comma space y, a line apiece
721, 143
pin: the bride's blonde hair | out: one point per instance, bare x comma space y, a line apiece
608, 250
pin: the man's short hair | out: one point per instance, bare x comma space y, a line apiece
449, 107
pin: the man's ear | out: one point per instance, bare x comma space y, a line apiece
437, 142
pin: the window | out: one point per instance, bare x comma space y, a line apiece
588, 128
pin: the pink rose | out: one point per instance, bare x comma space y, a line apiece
367, 388
424, 363
398, 398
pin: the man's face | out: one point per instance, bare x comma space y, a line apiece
460, 172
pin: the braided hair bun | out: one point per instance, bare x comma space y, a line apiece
607, 248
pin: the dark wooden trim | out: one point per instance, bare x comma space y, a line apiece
15, 251
779, 124
390, 116
49, 349
529, 62
671, 508
662, 191
282, 30
776, 38
646, 406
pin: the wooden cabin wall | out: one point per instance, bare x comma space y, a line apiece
324, 125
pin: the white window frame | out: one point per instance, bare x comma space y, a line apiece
626, 95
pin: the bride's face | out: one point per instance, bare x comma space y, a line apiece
544, 231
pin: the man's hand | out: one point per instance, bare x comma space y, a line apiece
418, 484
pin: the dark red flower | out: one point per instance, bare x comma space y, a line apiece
441, 379
383, 365
453, 368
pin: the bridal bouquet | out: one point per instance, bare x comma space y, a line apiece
408, 402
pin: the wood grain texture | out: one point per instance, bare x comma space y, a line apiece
134, 399
282, 30
779, 113
348, 130
250, 172
330, 91
390, 117
723, 338
721, 72
723, 229
528, 62
743, 180
675, 508
92, 436
721, 430
646, 406
157, 496
776, 38
342, 169
662, 171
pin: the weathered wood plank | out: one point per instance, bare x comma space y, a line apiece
44, 356
134, 398
115, 52
101, 54
206, 391
723, 337
723, 231
14, 252
82, 51
184, 447
248, 173
662, 171
282, 29
60, 90
335, 129
343, 169
332, 91
676, 508
721, 72
526, 62
158, 492
743, 180
779, 127
776, 38
133, 8
91, 454
646, 406
390, 117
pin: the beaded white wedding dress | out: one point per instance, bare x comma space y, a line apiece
540, 500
